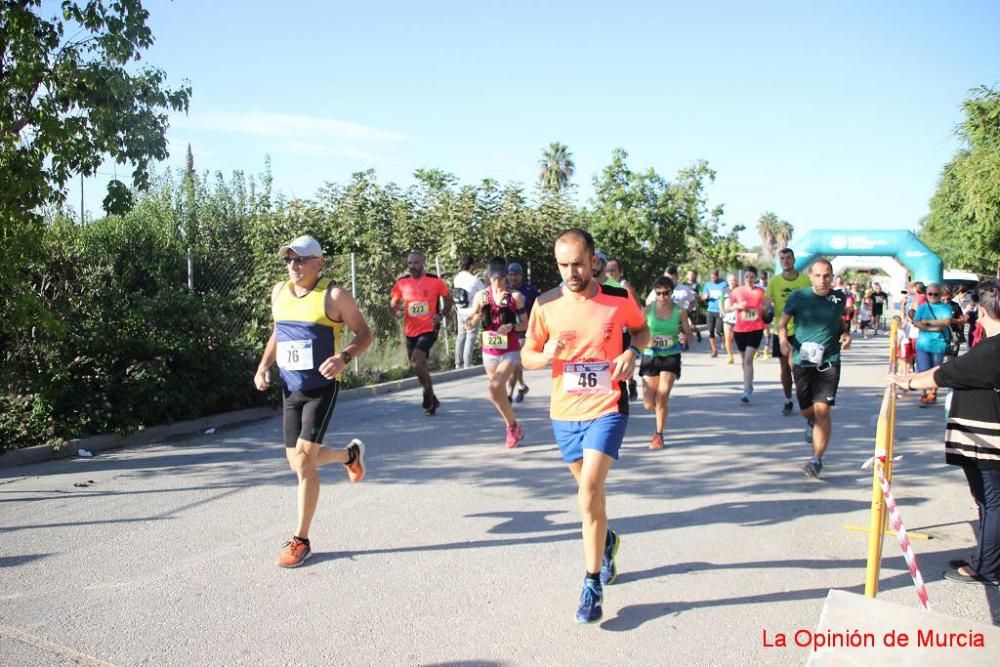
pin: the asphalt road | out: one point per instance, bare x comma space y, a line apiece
455, 550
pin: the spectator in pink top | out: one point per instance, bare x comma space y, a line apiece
747, 301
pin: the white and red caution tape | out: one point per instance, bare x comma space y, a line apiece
897, 524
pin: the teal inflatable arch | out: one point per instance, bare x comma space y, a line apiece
904, 246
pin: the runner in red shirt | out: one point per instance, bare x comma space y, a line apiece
415, 298
747, 301
578, 329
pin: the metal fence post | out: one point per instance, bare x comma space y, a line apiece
444, 324
354, 293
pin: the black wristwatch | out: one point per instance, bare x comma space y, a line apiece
346, 356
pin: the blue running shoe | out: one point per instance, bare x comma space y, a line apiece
609, 570
590, 609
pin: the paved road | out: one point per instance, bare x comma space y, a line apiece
457, 551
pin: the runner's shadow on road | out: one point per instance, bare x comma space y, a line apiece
632, 617
14, 561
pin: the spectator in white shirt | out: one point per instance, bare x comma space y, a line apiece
466, 287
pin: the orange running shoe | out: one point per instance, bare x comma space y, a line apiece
294, 553
356, 457
656, 442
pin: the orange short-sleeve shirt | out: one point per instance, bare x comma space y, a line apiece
420, 302
591, 332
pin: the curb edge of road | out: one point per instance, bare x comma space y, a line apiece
100, 443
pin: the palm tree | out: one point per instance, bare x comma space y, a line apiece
555, 167
783, 234
767, 228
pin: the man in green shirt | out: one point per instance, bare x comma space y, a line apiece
778, 289
820, 335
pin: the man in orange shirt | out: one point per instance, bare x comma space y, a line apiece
415, 299
578, 329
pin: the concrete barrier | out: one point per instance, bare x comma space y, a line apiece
858, 630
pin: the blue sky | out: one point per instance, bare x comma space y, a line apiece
829, 114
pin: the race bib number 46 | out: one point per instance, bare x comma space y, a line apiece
295, 355
417, 308
592, 377
494, 341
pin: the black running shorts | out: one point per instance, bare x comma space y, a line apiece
816, 384
423, 342
307, 413
776, 345
652, 365
745, 339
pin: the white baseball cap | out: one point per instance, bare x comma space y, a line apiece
303, 246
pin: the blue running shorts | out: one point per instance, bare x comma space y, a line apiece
604, 434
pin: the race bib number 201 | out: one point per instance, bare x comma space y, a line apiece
295, 355
592, 377
663, 342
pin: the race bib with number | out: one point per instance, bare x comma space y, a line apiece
417, 308
715, 293
750, 315
295, 355
494, 341
811, 353
590, 377
663, 342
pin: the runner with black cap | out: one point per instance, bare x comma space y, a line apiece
516, 386
497, 310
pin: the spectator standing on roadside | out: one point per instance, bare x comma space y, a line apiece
972, 436
466, 286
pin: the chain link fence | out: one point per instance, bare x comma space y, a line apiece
242, 296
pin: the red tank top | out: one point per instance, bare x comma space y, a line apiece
500, 314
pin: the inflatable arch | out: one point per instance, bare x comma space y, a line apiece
903, 246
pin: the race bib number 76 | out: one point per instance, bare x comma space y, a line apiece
295, 355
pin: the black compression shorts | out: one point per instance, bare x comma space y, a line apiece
307, 413
714, 324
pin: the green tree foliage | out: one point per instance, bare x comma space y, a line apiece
555, 168
963, 225
71, 96
132, 345
649, 222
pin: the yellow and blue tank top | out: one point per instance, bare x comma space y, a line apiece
305, 336
664, 334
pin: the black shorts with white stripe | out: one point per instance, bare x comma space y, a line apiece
307, 413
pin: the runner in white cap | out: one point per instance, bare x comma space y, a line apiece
309, 315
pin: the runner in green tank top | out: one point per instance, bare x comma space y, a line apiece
670, 329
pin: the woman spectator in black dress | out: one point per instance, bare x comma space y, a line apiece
972, 437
